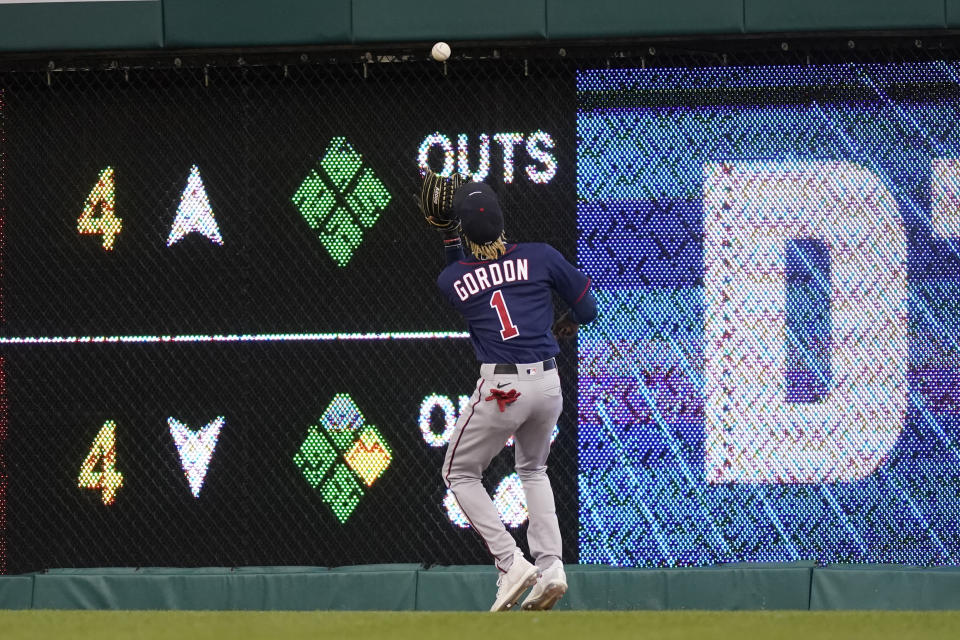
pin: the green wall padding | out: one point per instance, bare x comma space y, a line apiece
224, 23
775, 586
390, 587
172, 24
16, 592
624, 18
953, 13
885, 587
740, 587
406, 587
396, 20
463, 588
50, 26
133, 589
763, 16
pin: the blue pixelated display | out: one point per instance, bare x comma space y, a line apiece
649, 140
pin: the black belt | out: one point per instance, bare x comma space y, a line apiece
501, 369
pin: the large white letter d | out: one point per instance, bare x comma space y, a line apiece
751, 210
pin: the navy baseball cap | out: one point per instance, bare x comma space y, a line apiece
478, 209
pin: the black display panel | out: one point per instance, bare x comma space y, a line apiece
222, 340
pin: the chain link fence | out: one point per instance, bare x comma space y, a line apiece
223, 333
222, 339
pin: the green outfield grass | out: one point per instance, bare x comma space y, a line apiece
554, 625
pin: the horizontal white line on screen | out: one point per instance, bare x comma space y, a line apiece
240, 337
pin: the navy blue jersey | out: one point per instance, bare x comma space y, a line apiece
507, 302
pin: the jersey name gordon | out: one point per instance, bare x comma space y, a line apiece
491, 275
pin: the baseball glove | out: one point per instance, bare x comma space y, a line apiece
565, 327
436, 200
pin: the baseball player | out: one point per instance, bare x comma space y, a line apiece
504, 292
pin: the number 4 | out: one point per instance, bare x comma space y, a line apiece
102, 197
104, 449
508, 329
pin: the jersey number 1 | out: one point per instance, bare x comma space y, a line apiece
508, 330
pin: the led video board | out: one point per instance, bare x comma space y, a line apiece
773, 375
222, 340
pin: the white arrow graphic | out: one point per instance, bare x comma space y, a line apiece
195, 449
194, 212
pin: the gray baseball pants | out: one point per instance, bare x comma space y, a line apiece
482, 429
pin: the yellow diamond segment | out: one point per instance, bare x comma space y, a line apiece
369, 456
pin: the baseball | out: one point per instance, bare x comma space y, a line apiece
440, 51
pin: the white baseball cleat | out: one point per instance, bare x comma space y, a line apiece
511, 585
549, 589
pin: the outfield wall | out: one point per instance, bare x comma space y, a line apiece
641, 476
797, 586
33, 25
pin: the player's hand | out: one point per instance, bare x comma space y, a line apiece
565, 327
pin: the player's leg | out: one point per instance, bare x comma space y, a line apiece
480, 434
543, 532
532, 449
